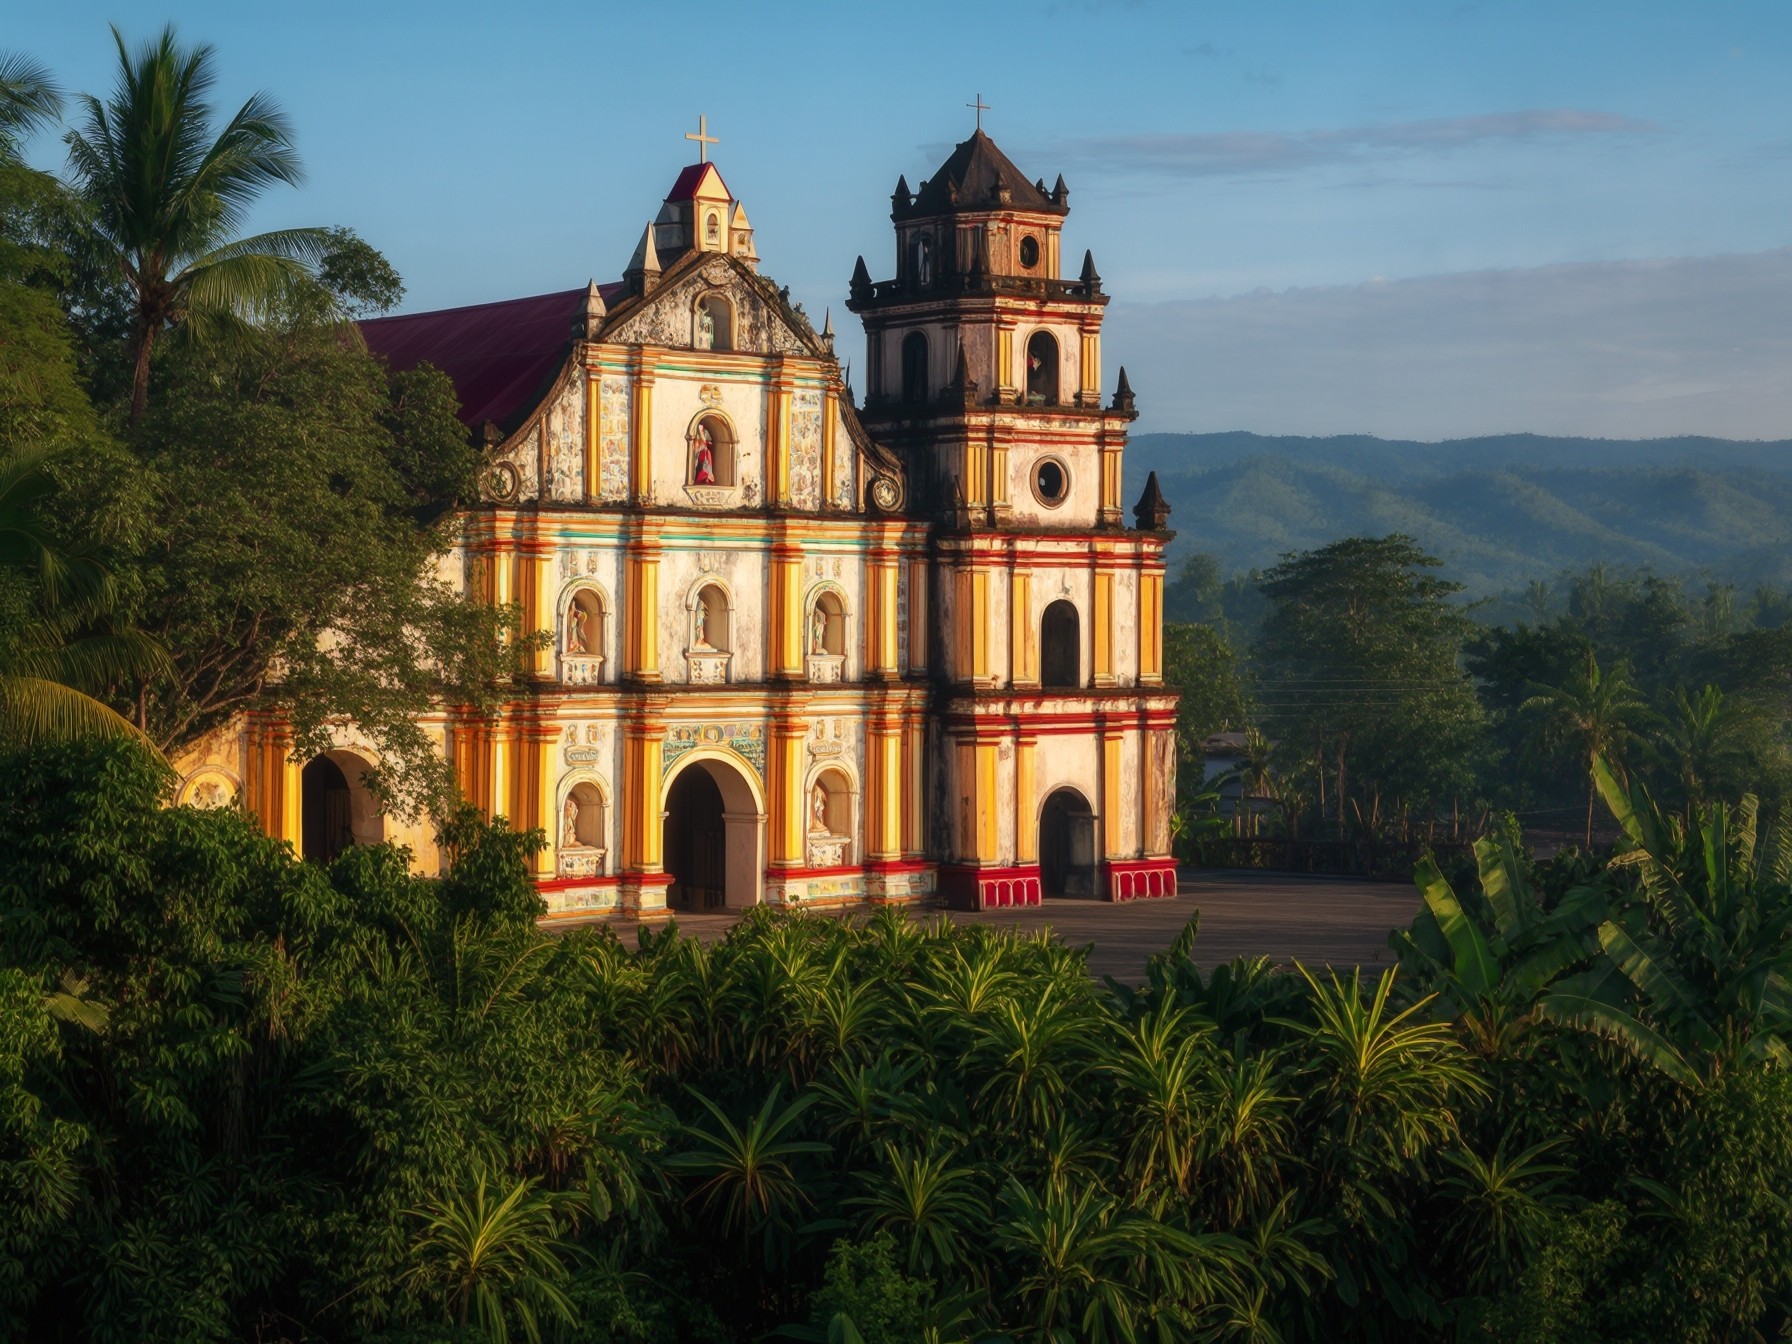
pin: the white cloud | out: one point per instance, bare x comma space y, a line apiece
1228, 153
1695, 345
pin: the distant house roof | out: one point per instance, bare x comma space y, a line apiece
1228, 743
500, 356
969, 179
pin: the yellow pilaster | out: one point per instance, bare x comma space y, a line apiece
537, 591
1110, 481
883, 789
881, 627
593, 435
1023, 654
1005, 339
1113, 802
643, 765
914, 743
1103, 621
976, 476
1026, 815
501, 789
988, 821
641, 637
829, 413
789, 820
917, 615
640, 439
537, 771
998, 475
1091, 362
777, 438
1151, 627
971, 623
786, 623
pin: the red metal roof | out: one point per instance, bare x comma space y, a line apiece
500, 356
686, 186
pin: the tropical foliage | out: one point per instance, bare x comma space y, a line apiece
245, 1095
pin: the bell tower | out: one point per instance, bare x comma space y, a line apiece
1054, 761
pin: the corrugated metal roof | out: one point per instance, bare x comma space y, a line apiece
500, 356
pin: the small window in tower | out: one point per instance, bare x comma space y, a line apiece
1042, 370
712, 228
1029, 252
914, 367
1051, 482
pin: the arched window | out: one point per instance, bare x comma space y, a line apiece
714, 323
712, 452
1060, 648
914, 367
583, 636
710, 620
582, 818
922, 264
712, 228
827, 625
1042, 369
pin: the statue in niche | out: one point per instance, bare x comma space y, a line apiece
818, 811
700, 626
704, 461
818, 630
576, 642
569, 823
706, 328
924, 260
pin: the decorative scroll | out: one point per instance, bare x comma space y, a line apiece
746, 740
805, 448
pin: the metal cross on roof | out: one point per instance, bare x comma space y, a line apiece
703, 138
981, 107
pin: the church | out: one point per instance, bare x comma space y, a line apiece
801, 649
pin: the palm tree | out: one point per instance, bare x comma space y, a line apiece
57, 657
167, 198
1593, 713
1702, 739
29, 100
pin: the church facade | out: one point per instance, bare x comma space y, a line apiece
799, 650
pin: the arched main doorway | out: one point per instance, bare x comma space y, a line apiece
713, 837
336, 809
1067, 846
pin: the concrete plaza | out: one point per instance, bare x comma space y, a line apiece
1286, 917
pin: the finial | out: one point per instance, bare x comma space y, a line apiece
860, 287
594, 310
1091, 278
1039, 186
644, 267
1060, 192
703, 138
827, 325
981, 107
1123, 395
1152, 512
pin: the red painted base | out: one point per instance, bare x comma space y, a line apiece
1141, 879
965, 888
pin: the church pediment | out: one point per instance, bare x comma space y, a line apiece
715, 303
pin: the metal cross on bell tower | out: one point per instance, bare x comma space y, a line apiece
703, 138
981, 107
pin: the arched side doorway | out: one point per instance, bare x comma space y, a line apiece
1067, 862
1060, 647
714, 836
336, 809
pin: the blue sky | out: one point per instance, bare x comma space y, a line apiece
1314, 217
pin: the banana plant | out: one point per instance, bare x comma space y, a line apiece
1490, 956
1695, 976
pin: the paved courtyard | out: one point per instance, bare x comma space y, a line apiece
1287, 917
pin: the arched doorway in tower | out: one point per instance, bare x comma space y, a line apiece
713, 836
336, 809
1067, 864
1060, 647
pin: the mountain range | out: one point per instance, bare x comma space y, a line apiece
1498, 511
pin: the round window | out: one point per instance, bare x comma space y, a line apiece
1029, 252
1051, 482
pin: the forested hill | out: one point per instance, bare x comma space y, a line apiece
1500, 511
